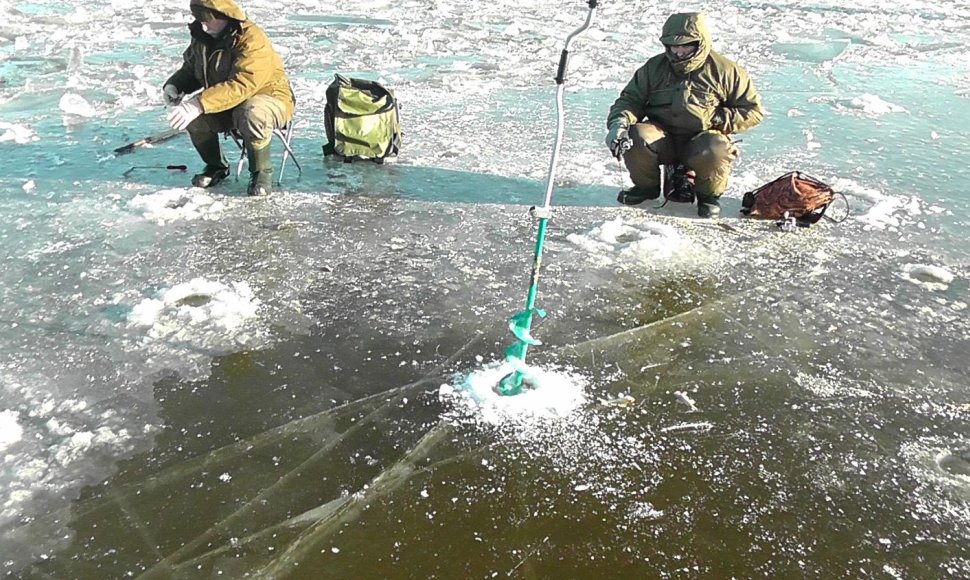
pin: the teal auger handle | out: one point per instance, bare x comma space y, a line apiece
521, 323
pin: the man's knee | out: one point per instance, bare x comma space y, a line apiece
255, 120
647, 135
710, 152
643, 156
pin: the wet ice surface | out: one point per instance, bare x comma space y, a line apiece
793, 419
274, 367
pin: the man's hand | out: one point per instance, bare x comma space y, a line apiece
171, 95
618, 140
182, 116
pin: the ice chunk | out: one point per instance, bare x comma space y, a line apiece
874, 105
10, 429
74, 104
869, 105
16, 133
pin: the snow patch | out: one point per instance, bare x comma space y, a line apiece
885, 212
52, 444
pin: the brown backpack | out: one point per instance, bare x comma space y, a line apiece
800, 196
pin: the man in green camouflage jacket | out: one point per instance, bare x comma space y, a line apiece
243, 88
680, 109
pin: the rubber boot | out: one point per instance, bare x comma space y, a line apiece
637, 195
260, 170
708, 206
216, 167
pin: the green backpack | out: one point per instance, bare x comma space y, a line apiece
362, 120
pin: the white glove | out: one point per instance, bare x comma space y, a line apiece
171, 95
182, 116
618, 139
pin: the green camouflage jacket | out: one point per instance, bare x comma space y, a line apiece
707, 91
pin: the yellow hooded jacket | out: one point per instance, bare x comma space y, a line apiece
238, 64
706, 91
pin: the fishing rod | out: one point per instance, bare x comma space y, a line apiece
521, 324
150, 140
130, 170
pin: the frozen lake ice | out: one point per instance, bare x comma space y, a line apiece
196, 383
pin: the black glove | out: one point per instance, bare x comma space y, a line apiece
618, 140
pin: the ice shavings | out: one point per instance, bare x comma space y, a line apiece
171, 205
935, 278
827, 386
556, 394
942, 466
199, 303
552, 428
184, 324
617, 240
697, 426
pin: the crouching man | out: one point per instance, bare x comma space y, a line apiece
680, 109
243, 88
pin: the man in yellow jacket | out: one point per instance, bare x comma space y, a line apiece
243, 88
679, 109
